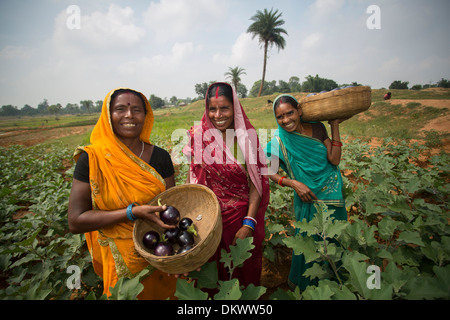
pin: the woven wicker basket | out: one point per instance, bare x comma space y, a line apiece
338, 104
191, 200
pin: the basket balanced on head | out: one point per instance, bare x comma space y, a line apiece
336, 104
193, 201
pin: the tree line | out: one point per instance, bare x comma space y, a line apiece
310, 84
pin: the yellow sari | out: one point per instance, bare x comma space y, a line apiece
117, 179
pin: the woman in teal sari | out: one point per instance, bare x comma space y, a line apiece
311, 159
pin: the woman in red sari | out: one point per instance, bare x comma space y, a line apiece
225, 156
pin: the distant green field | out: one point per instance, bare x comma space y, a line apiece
381, 120
47, 121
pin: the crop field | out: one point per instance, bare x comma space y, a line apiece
395, 167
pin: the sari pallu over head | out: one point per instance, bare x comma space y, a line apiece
118, 178
226, 169
304, 159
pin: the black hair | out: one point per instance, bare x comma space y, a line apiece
137, 94
224, 89
286, 99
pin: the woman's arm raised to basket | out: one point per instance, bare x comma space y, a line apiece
334, 146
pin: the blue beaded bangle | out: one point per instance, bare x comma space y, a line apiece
130, 214
249, 223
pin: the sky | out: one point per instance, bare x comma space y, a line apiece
66, 51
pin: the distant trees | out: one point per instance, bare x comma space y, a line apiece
234, 74
9, 110
397, 84
201, 88
156, 102
317, 84
311, 84
55, 109
443, 83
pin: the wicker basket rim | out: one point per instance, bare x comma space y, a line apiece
336, 93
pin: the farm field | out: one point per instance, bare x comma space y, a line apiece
396, 175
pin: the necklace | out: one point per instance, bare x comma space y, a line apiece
142, 149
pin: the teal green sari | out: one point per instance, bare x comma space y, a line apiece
304, 159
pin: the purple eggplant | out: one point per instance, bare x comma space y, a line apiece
170, 216
151, 239
186, 224
163, 249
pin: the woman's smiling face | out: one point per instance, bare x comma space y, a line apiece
221, 113
127, 115
288, 117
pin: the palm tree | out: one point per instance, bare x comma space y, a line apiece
235, 75
266, 27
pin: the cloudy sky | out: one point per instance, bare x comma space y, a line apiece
165, 47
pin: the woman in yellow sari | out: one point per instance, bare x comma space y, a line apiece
118, 171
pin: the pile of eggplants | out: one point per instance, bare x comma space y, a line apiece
182, 235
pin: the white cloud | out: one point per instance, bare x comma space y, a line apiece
171, 19
243, 51
321, 10
14, 52
116, 29
312, 41
160, 64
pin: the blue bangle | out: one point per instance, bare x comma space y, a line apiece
249, 223
130, 214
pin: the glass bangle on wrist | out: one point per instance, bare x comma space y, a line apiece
336, 143
249, 223
130, 214
281, 180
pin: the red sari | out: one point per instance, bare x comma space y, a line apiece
214, 164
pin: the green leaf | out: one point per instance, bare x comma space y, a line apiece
411, 237
238, 253
355, 255
303, 245
280, 294
275, 227
340, 292
358, 280
37, 291
396, 277
186, 290
336, 228
310, 228
207, 277
29, 241
443, 278
358, 276
316, 271
425, 287
387, 227
252, 292
321, 292
128, 289
229, 290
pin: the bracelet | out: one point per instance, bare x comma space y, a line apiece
336, 143
249, 223
130, 214
281, 180
251, 218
